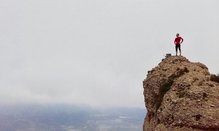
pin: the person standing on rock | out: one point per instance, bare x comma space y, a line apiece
178, 41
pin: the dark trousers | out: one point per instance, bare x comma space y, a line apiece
177, 46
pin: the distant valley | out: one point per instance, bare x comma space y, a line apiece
69, 118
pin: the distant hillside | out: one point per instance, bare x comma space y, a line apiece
181, 96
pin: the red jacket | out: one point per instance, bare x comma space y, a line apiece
178, 40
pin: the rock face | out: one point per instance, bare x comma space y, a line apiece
181, 96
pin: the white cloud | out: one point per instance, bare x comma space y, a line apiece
96, 52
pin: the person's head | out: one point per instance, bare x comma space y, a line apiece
177, 35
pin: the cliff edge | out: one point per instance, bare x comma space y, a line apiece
181, 96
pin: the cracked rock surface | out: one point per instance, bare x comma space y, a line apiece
181, 96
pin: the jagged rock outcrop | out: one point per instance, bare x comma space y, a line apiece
181, 96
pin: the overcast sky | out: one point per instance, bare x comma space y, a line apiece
97, 52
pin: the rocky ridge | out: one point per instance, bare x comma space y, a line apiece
181, 96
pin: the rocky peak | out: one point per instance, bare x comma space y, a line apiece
181, 96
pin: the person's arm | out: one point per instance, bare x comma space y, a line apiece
181, 40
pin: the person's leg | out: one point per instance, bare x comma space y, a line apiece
180, 50
176, 49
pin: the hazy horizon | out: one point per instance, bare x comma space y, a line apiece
69, 118
97, 52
